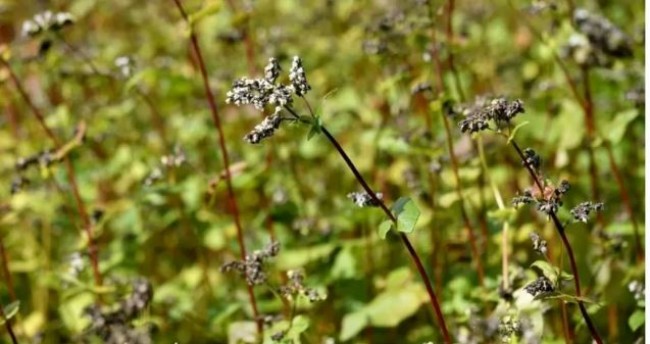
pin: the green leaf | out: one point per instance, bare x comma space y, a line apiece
316, 124
352, 324
636, 320
299, 325
502, 215
392, 307
384, 228
212, 8
407, 214
546, 269
616, 129
514, 131
10, 311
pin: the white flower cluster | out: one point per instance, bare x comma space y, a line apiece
46, 21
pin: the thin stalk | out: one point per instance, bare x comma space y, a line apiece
416, 259
93, 251
450, 55
450, 144
587, 106
627, 202
249, 47
8, 326
224, 154
6, 272
506, 227
567, 246
463, 211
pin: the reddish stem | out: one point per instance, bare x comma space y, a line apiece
567, 246
416, 259
7, 273
93, 251
224, 154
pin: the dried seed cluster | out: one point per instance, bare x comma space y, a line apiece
539, 244
539, 286
115, 326
508, 327
252, 268
549, 202
295, 287
581, 211
363, 199
46, 21
265, 129
500, 111
265, 91
602, 34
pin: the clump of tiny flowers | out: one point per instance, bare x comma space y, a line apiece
499, 110
549, 202
539, 244
252, 268
114, 326
265, 91
295, 286
637, 289
363, 199
602, 34
46, 21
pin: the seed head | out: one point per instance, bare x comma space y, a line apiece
298, 78
541, 285
539, 244
265, 129
581, 211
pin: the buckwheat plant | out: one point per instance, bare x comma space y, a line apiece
266, 92
496, 115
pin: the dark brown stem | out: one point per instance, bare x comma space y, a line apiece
416, 259
8, 326
224, 154
93, 251
567, 247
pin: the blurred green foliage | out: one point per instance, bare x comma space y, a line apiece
151, 177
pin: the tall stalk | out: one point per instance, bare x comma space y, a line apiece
567, 246
476, 256
87, 225
224, 155
414, 256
